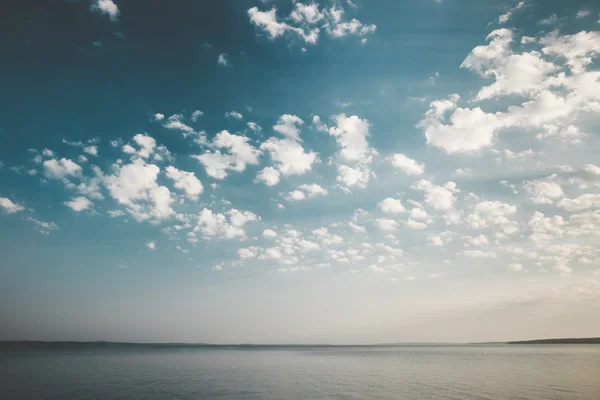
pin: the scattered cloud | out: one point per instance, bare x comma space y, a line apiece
106, 7
223, 60
9, 207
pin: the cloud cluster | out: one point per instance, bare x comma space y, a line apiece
307, 21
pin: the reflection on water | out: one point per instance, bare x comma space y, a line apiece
404, 372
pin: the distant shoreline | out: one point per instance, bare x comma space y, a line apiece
33, 344
595, 340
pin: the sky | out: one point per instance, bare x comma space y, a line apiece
278, 171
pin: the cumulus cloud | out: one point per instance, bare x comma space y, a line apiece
234, 115
289, 156
289, 126
223, 60
307, 21
440, 198
495, 215
196, 115
226, 225
549, 101
185, 181
107, 7
269, 175
391, 206
544, 191
355, 154
9, 207
135, 187
60, 169
583, 202
79, 203
387, 225
407, 165
239, 153
175, 122
304, 192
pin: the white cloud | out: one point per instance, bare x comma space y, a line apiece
475, 241
250, 252
254, 127
544, 191
308, 14
504, 18
241, 154
289, 156
493, 214
238, 145
289, 126
391, 206
463, 171
553, 100
234, 115
91, 150
351, 135
357, 228
545, 229
107, 7
466, 130
223, 60
592, 170
550, 20
357, 176
438, 197
303, 192
269, 233
412, 224
151, 245
135, 186
196, 115
407, 165
517, 267
146, 144
307, 21
115, 213
319, 125
9, 207
159, 117
43, 227
175, 122
59, 169
583, 13
583, 202
418, 213
185, 181
387, 225
79, 203
228, 225
267, 20
216, 163
269, 175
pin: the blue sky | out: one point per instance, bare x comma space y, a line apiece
279, 171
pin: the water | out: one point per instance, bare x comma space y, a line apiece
405, 372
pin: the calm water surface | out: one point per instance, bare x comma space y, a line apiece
406, 372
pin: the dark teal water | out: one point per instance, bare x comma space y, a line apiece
408, 372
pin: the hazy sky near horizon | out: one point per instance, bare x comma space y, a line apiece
273, 171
